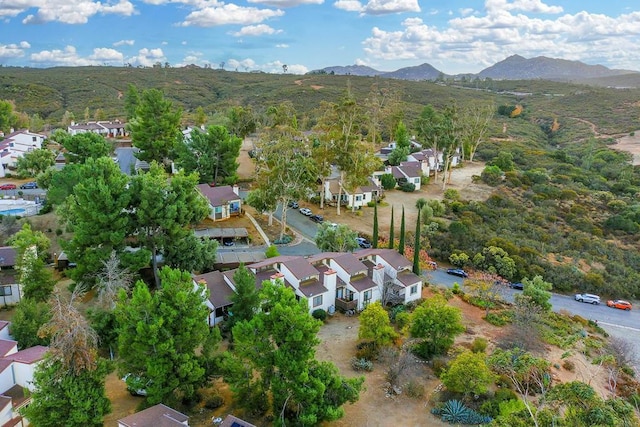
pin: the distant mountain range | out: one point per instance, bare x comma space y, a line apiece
514, 67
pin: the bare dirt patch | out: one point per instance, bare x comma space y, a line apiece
631, 144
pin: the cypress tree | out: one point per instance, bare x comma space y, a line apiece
375, 225
391, 237
416, 248
401, 243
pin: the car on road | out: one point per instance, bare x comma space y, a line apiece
228, 241
457, 272
363, 243
293, 205
29, 185
316, 218
306, 211
587, 298
7, 186
621, 304
518, 286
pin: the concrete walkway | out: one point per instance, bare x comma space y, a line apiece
260, 230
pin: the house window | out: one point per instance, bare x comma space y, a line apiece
5, 291
358, 198
414, 289
217, 209
417, 180
34, 139
317, 300
367, 296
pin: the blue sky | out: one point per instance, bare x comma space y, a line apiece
455, 36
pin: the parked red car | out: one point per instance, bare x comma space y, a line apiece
7, 186
621, 304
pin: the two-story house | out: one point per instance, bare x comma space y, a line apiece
224, 201
108, 129
328, 281
15, 145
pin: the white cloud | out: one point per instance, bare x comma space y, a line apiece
349, 5
184, 43
533, 6
69, 57
383, 7
282, 46
13, 50
256, 30
242, 65
489, 38
148, 57
229, 14
124, 42
286, 3
65, 11
274, 67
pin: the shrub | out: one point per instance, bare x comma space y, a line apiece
407, 187
499, 318
456, 289
479, 345
58, 231
319, 314
402, 319
414, 389
438, 365
568, 365
367, 350
455, 412
214, 402
388, 181
361, 364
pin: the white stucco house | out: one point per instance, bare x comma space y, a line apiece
224, 201
356, 198
108, 129
15, 145
328, 281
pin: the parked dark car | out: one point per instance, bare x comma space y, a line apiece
228, 242
29, 185
519, 286
292, 204
457, 272
363, 243
316, 218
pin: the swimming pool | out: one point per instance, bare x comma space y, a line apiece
13, 212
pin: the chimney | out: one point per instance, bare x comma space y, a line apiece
330, 282
378, 275
236, 189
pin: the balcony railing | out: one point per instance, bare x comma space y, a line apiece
344, 305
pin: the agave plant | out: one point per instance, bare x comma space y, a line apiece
455, 412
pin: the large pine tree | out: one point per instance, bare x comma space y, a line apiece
391, 236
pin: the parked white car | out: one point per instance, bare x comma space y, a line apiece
306, 211
588, 298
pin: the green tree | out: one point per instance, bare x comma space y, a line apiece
504, 161
162, 209
213, 155
375, 325
416, 248
276, 363
538, 291
97, 212
155, 129
476, 119
497, 261
36, 279
435, 324
131, 101
246, 299
69, 384
388, 181
336, 239
391, 231
374, 237
7, 116
242, 121
164, 337
428, 129
190, 253
468, 373
272, 252
29, 239
200, 116
86, 145
402, 136
60, 399
402, 234
397, 156
60, 183
35, 162
29, 316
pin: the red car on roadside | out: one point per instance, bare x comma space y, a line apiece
621, 304
7, 186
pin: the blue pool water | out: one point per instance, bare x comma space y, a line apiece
13, 212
